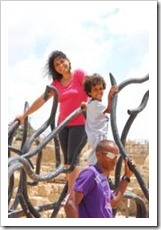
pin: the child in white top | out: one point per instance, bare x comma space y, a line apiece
97, 119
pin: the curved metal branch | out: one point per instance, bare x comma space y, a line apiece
22, 163
51, 135
12, 128
116, 134
30, 140
132, 81
133, 113
141, 209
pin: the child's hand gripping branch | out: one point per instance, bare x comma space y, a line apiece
113, 90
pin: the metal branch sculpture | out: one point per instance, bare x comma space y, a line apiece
22, 161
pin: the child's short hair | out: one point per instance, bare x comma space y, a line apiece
93, 80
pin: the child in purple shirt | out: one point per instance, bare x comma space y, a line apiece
93, 183
91, 196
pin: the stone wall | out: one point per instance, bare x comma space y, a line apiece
48, 192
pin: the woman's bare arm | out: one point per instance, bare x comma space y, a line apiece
38, 103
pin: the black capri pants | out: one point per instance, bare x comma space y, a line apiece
72, 140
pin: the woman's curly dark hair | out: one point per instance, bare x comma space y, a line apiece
93, 80
50, 67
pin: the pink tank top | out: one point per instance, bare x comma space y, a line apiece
70, 97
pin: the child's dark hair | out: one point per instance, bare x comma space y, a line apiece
93, 80
50, 66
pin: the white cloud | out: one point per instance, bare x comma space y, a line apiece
131, 19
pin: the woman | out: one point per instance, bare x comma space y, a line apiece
70, 89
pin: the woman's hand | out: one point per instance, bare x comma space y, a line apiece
21, 118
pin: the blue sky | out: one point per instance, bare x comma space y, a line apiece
97, 36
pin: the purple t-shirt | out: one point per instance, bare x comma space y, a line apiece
97, 194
